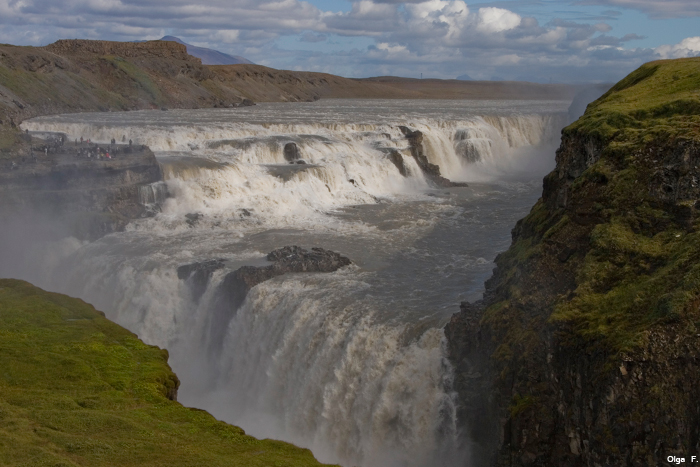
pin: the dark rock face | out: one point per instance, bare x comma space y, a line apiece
431, 171
193, 218
197, 275
291, 152
296, 259
233, 290
397, 159
533, 392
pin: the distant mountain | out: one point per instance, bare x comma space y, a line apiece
464, 78
209, 56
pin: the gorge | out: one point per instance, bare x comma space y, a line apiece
588, 312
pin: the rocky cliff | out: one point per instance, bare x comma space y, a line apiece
87, 190
585, 349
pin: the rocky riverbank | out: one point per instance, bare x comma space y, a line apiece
89, 189
585, 349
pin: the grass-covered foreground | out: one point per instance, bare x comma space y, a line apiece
79, 390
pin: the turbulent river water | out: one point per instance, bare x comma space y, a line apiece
351, 364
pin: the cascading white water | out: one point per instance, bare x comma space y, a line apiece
351, 364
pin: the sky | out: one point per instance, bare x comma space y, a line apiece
561, 41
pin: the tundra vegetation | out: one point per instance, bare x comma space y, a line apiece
79, 390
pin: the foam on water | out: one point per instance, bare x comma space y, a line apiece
351, 364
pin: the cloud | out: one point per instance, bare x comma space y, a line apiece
497, 19
311, 37
688, 47
441, 38
653, 8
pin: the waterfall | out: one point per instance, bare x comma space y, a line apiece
351, 364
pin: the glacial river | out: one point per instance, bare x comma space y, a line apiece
351, 364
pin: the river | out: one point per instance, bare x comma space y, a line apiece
351, 364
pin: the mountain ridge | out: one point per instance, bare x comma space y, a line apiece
209, 56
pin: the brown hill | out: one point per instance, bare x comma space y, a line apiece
82, 75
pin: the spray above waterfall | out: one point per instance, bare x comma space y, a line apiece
218, 161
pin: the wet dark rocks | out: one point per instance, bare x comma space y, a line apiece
193, 218
397, 159
197, 275
431, 171
284, 260
291, 152
232, 291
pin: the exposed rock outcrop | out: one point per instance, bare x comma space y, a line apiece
235, 286
91, 196
431, 171
585, 349
291, 152
197, 275
396, 158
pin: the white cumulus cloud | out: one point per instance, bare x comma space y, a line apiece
497, 19
688, 47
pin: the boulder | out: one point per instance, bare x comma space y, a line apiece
291, 152
431, 171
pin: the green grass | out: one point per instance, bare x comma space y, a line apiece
630, 282
139, 77
659, 99
642, 266
79, 390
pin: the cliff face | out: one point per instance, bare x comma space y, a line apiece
86, 197
586, 347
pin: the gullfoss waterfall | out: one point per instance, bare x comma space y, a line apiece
349, 363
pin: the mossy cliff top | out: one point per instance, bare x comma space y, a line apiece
616, 232
586, 347
79, 390
659, 99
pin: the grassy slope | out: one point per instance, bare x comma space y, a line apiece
659, 98
79, 390
636, 262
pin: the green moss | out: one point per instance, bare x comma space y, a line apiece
139, 77
520, 404
659, 97
78, 390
